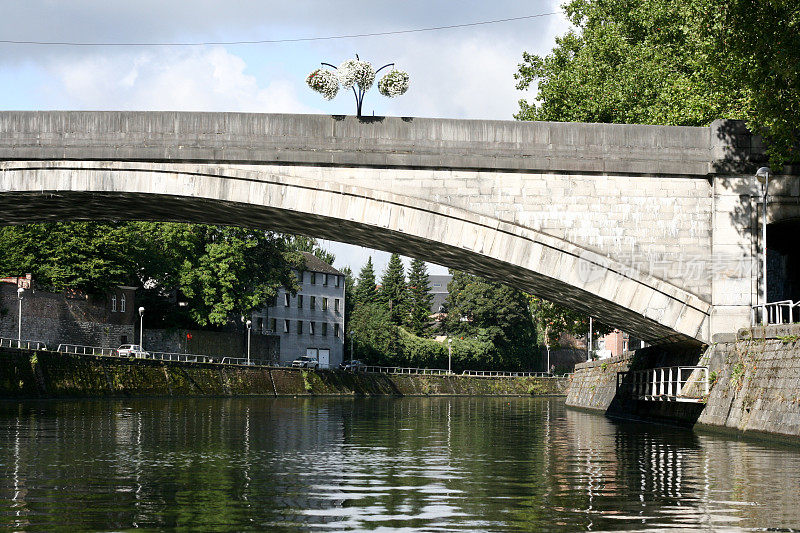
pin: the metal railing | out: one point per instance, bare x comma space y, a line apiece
783, 312
402, 370
23, 344
86, 350
181, 357
669, 383
503, 374
244, 362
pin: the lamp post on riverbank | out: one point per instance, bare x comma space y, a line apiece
351, 345
762, 175
141, 328
249, 325
449, 355
20, 292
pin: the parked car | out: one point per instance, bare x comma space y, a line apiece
132, 350
353, 365
305, 361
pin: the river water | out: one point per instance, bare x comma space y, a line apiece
415, 464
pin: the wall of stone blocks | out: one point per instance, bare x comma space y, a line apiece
214, 343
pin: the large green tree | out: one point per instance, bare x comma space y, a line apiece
495, 313
419, 298
676, 63
366, 291
393, 292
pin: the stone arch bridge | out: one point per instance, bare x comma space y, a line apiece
648, 228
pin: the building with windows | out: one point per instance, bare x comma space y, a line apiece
311, 322
438, 288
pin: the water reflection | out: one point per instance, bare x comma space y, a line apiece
401, 464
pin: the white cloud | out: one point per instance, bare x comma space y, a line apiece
194, 80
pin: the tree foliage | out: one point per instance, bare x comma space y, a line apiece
394, 291
419, 298
676, 63
493, 313
366, 291
220, 271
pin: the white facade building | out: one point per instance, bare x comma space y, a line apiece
311, 322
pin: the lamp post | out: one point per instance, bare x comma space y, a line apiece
589, 342
449, 355
141, 328
762, 175
20, 292
249, 325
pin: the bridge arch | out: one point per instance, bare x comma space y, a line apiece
647, 307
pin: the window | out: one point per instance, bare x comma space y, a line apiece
335, 281
324, 304
299, 301
311, 328
324, 329
624, 346
313, 278
313, 303
273, 326
336, 305
299, 327
114, 304
286, 299
336, 330
122, 304
286, 326
260, 324
324, 280
299, 276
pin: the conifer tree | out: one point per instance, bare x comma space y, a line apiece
393, 293
365, 289
419, 298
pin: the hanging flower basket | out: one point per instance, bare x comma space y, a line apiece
324, 82
394, 83
355, 72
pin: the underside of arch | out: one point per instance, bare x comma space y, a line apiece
619, 296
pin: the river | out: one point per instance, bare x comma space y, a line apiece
415, 464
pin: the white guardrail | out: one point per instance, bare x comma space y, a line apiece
669, 383
23, 344
783, 312
402, 370
502, 374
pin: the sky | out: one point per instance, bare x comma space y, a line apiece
455, 73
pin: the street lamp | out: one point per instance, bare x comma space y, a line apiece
20, 292
589, 342
449, 355
141, 327
249, 325
762, 175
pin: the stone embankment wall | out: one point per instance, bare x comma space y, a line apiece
214, 343
754, 389
29, 374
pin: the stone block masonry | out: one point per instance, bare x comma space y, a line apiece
754, 389
29, 374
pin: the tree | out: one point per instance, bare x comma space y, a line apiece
553, 320
675, 63
420, 298
349, 305
221, 271
494, 313
89, 256
301, 243
393, 291
366, 291
375, 338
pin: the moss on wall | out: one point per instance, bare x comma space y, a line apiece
26, 374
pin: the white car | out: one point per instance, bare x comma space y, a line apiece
305, 361
132, 350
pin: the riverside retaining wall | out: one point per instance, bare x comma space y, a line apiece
32, 374
754, 384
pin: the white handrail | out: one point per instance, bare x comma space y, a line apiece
775, 313
668, 383
23, 344
402, 370
504, 374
